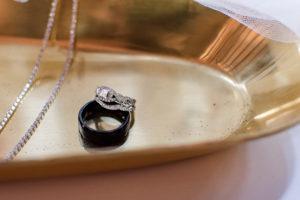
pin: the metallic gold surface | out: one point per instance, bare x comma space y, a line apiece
202, 82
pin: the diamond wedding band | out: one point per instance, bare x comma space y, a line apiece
111, 100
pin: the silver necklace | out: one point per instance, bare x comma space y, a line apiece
18, 147
28, 84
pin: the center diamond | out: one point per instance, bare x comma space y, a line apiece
104, 93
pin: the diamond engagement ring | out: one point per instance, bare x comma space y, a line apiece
107, 103
111, 100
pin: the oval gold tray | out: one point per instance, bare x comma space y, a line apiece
202, 82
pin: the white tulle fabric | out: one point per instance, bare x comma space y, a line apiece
275, 19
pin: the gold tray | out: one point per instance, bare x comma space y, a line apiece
202, 82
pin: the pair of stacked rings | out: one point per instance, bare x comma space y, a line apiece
107, 103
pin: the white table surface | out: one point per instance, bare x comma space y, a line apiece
264, 169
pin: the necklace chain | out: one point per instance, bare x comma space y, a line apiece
28, 84
18, 147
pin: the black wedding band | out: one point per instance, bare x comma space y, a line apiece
93, 110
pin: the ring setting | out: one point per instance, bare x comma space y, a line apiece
111, 100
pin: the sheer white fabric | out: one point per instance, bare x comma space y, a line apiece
275, 19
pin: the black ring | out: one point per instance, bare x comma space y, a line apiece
93, 110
